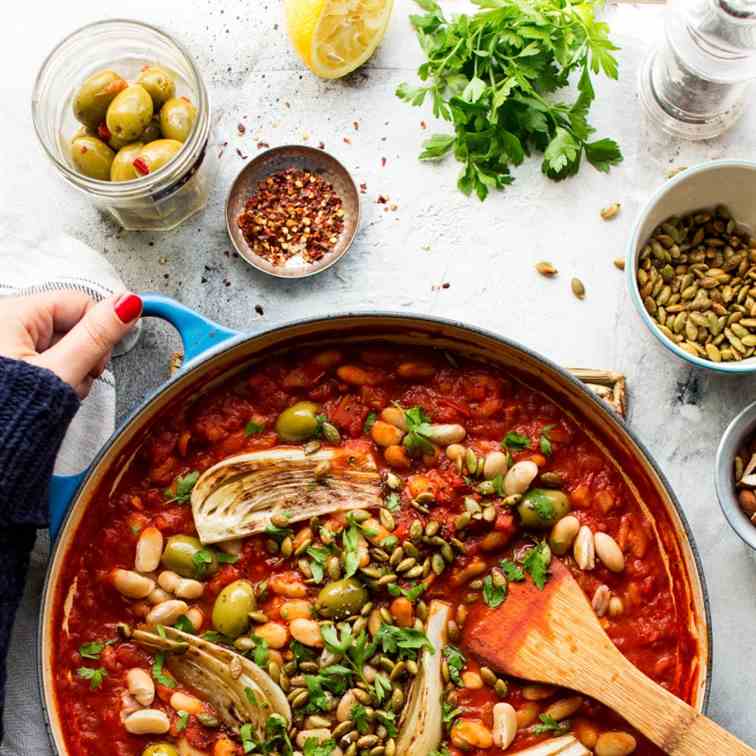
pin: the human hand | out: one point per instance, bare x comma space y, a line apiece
66, 332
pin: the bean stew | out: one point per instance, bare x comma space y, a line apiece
482, 479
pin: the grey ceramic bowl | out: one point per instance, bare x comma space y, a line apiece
738, 431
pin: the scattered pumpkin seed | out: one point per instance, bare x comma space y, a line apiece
546, 269
611, 211
578, 289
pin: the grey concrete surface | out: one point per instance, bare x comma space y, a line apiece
485, 252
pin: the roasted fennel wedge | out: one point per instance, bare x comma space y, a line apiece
236, 687
421, 725
567, 745
238, 496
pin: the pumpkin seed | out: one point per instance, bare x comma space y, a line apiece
578, 289
619, 263
546, 269
610, 211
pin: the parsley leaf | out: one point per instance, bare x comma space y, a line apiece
313, 747
516, 441
224, 558
542, 504
157, 671
381, 687
402, 641
91, 650
513, 572
359, 716
493, 594
549, 724
95, 675
201, 560
544, 442
416, 440
450, 714
183, 486
412, 594
183, 721
493, 75
350, 542
456, 661
183, 623
536, 564
252, 427
318, 557
369, 422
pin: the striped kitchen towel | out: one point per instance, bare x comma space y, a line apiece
28, 265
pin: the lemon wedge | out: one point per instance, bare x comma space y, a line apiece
333, 37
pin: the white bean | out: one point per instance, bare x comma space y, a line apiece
167, 612
158, 596
149, 549
446, 433
189, 589
147, 722
132, 584
394, 416
504, 725
183, 702
563, 534
600, 602
141, 686
168, 580
321, 735
196, 617
616, 607
609, 552
344, 709
306, 631
584, 550
615, 744
496, 464
520, 477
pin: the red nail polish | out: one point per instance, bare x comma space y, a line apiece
128, 308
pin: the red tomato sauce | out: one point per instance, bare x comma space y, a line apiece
652, 631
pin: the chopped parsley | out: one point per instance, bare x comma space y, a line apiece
158, 674
381, 687
513, 571
252, 427
224, 558
350, 540
202, 559
416, 440
455, 660
183, 486
91, 650
549, 724
544, 442
318, 557
516, 441
369, 422
392, 502
313, 747
536, 564
403, 641
450, 714
412, 593
183, 721
260, 651
95, 675
542, 504
183, 624
358, 715
493, 594
249, 694
388, 720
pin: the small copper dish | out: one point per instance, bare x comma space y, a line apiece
307, 159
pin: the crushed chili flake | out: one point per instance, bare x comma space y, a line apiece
241, 154
356, 125
292, 212
262, 145
363, 188
382, 199
347, 140
383, 162
423, 125
241, 128
321, 145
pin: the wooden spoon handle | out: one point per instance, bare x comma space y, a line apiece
677, 728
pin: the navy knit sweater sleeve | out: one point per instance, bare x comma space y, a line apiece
36, 408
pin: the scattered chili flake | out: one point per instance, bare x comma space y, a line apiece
363, 188
262, 145
382, 199
292, 212
241, 154
423, 125
242, 128
347, 140
356, 125
383, 162
321, 145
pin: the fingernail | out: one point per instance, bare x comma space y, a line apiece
128, 307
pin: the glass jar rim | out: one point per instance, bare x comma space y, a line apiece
185, 159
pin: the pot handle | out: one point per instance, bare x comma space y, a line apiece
198, 335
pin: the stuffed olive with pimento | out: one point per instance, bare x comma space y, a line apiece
287, 564
129, 130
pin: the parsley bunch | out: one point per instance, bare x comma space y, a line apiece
493, 75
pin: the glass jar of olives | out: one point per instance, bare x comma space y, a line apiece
123, 113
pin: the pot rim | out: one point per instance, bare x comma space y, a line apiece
243, 338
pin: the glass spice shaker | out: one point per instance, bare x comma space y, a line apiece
696, 84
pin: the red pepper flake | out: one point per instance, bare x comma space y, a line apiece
140, 166
262, 145
356, 125
382, 199
363, 188
423, 125
321, 145
293, 212
259, 309
241, 154
347, 140
383, 162
445, 285
241, 128
103, 132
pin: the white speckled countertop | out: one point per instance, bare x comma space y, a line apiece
485, 252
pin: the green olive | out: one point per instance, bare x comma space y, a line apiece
541, 508
152, 131
177, 117
160, 749
342, 598
155, 155
298, 422
182, 555
92, 157
129, 113
95, 95
232, 607
159, 83
122, 168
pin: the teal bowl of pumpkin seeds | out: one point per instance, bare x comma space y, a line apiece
691, 266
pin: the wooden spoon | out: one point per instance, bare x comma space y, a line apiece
553, 636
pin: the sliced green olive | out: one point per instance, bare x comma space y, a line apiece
92, 157
186, 556
298, 422
342, 598
122, 168
232, 607
177, 117
160, 749
541, 508
95, 95
129, 113
153, 156
158, 83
